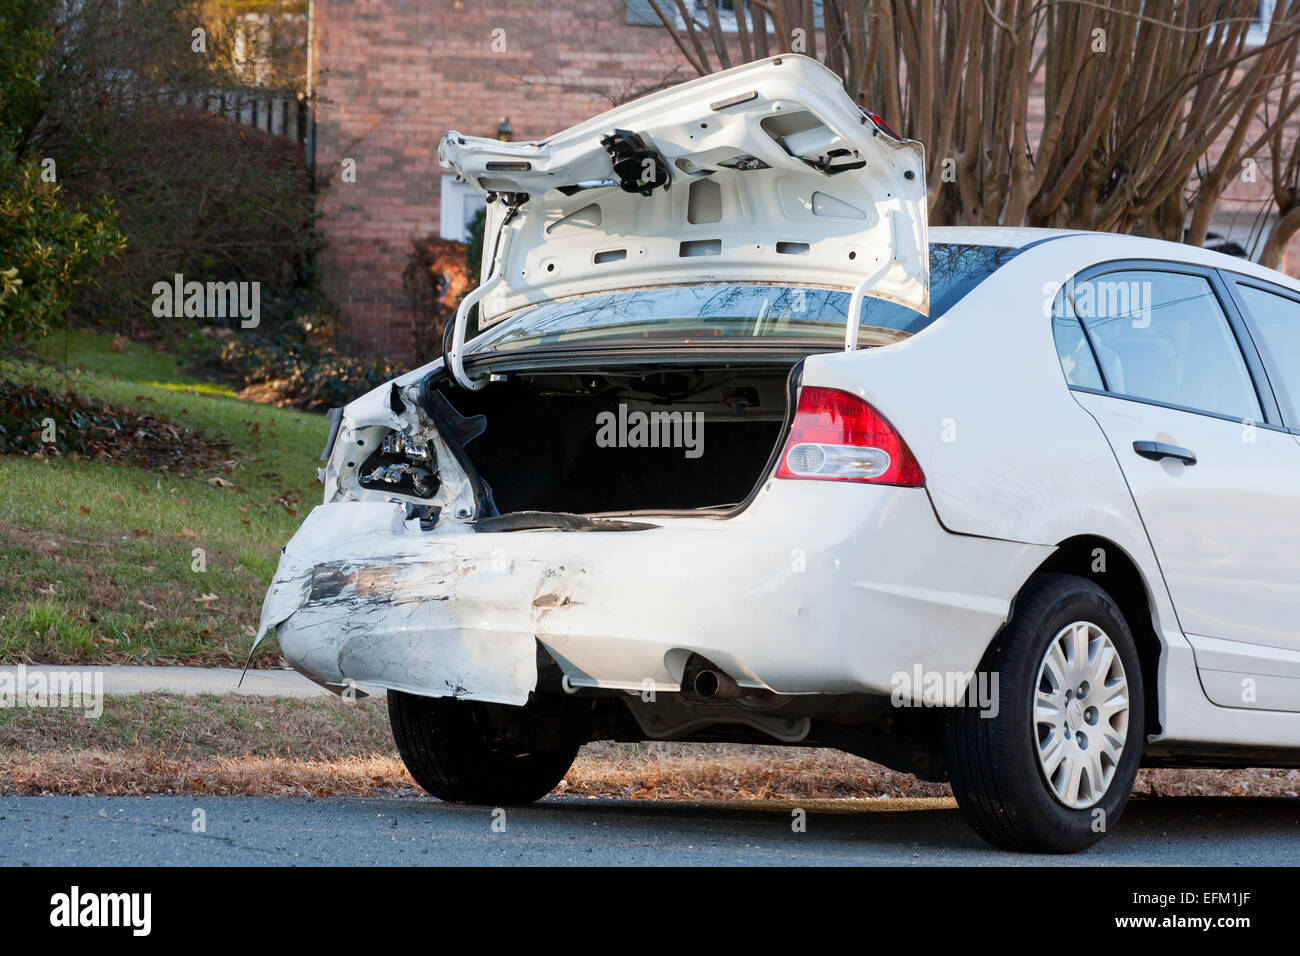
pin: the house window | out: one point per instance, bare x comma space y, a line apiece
1258, 31
459, 203
726, 14
640, 13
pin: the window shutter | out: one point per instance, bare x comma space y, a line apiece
641, 14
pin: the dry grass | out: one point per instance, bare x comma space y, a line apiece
258, 746
722, 771
155, 743
115, 773
1217, 783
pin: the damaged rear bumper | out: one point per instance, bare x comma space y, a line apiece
815, 588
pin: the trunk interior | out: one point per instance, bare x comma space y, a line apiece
619, 440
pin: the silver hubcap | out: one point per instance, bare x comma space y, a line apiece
1080, 714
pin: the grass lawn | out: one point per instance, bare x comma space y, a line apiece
98, 561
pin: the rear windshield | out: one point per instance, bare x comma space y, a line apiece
719, 314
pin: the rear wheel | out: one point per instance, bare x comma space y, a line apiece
470, 752
1049, 769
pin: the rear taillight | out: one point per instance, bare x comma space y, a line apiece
837, 436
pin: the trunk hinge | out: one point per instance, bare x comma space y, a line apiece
863, 287
455, 358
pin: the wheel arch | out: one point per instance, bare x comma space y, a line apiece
1112, 568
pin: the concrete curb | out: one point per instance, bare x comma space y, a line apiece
123, 681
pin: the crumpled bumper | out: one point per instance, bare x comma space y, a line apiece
817, 587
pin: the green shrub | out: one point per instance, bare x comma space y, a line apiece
48, 249
196, 196
89, 90
48, 246
299, 361
26, 36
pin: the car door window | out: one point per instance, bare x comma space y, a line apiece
1164, 337
1277, 321
1077, 361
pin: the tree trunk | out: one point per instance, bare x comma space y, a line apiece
1278, 238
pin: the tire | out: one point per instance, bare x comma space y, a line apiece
1001, 782
455, 751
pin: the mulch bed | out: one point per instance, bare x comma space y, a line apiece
92, 429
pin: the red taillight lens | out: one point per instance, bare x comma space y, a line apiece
836, 436
880, 121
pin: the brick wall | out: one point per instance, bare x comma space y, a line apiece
394, 75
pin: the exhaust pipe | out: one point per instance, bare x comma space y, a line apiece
714, 685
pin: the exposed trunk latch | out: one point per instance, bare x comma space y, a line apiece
639, 168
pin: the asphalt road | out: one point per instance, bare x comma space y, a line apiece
89, 831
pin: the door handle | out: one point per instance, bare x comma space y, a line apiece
1159, 451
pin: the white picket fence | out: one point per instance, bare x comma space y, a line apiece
280, 112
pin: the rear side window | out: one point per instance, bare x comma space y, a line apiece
1277, 320
1162, 337
1076, 356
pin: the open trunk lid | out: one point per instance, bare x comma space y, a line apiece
765, 170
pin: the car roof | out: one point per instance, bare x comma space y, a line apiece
1110, 246
1007, 237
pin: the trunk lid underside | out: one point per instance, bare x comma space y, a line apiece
766, 169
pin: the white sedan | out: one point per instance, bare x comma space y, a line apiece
744, 452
